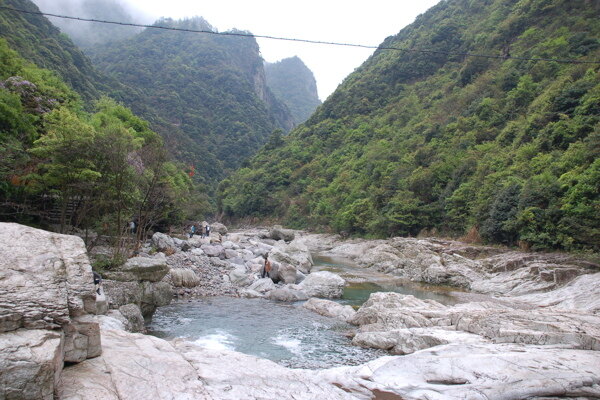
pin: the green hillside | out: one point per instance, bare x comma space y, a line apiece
505, 149
209, 91
293, 83
62, 167
40, 42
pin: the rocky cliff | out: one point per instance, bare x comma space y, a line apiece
294, 83
205, 93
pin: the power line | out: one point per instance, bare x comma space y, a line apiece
364, 46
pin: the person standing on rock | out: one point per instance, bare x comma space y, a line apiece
267, 268
192, 230
207, 230
97, 281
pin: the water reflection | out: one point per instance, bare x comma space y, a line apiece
362, 282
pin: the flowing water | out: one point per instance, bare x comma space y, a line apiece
285, 333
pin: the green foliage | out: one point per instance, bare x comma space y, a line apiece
199, 92
40, 42
430, 141
96, 170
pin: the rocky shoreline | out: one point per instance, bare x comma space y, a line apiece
528, 325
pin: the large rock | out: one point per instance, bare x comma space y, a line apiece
213, 250
184, 277
229, 375
240, 277
133, 366
163, 242
295, 253
197, 241
487, 371
146, 295
395, 311
30, 363
286, 273
151, 269
47, 302
582, 293
155, 294
82, 339
263, 285
330, 308
406, 315
218, 228
45, 279
322, 284
278, 233
133, 318
120, 293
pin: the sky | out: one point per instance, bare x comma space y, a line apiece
350, 21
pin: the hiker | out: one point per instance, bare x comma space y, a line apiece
207, 230
132, 227
97, 281
192, 230
267, 268
203, 232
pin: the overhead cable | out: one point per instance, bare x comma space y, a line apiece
250, 35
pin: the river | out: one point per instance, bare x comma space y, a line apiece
285, 333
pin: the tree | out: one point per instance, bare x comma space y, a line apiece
66, 167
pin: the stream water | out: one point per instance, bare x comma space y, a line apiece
285, 333
362, 282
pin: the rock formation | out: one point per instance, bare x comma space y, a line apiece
539, 338
47, 307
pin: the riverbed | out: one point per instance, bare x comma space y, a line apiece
286, 333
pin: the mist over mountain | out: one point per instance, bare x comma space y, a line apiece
294, 83
87, 34
504, 150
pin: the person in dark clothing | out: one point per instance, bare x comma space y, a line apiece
97, 281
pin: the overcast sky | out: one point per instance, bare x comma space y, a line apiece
351, 21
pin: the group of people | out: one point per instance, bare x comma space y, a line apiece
203, 229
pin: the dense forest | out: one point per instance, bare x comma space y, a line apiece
206, 94
38, 41
500, 149
293, 83
64, 167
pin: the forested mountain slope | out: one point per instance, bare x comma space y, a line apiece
211, 88
62, 166
205, 95
38, 41
294, 84
503, 148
